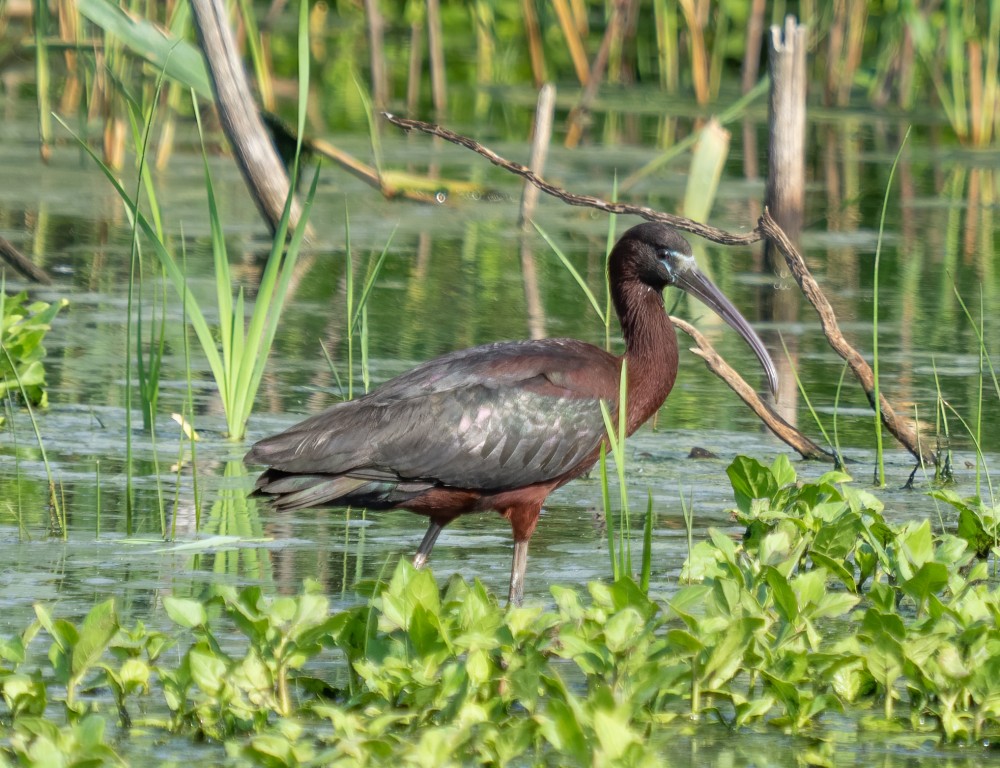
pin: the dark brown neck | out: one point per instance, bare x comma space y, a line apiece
650, 349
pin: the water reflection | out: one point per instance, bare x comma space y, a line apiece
453, 278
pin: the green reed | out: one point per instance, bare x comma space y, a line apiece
943, 472
58, 508
615, 431
812, 411
880, 458
357, 312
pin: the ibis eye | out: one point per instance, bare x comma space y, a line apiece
668, 259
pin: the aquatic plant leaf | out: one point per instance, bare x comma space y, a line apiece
724, 544
839, 536
97, 631
918, 543
884, 660
929, 580
783, 471
622, 629
977, 524
834, 604
25, 695
784, 598
185, 612
62, 632
726, 657
208, 671
838, 569
12, 650
750, 480
563, 730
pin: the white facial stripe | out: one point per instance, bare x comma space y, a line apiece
684, 262
676, 262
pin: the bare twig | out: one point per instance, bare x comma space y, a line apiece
717, 365
702, 230
22, 264
902, 429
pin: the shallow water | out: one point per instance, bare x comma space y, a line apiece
453, 279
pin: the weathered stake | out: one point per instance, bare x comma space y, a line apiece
785, 196
252, 145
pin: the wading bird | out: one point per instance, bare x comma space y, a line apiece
502, 425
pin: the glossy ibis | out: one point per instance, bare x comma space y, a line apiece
502, 425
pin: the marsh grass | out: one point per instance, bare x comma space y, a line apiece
943, 473
187, 416
961, 56
985, 361
238, 358
356, 320
621, 553
55, 498
838, 459
836, 413
879, 454
141, 122
602, 314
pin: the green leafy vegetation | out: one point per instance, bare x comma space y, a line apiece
821, 607
23, 325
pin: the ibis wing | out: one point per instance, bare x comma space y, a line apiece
493, 417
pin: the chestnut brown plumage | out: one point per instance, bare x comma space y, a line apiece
502, 425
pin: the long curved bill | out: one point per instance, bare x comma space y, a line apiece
690, 279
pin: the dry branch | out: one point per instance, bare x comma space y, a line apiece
767, 227
902, 429
718, 365
22, 264
586, 201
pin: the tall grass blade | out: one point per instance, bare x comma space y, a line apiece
687, 510
370, 281
980, 458
609, 518
608, 246
647, 544
880, 458
943, 473
57, 507
616, 439
805, 396
576, 275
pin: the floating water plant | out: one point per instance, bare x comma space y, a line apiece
821, 607
23, 326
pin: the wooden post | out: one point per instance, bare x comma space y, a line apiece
529, 198
785, 197
263, 171
376, 47
435, 37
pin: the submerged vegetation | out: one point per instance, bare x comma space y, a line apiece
823, 607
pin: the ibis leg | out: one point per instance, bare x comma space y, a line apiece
517, 569
424, 550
